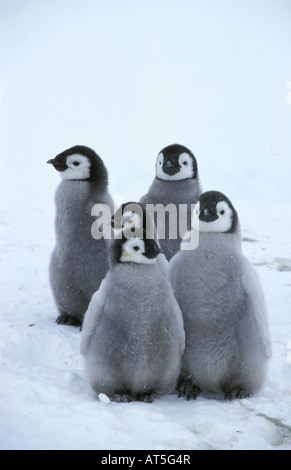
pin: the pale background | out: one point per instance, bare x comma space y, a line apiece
128, 78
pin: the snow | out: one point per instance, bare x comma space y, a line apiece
127, 81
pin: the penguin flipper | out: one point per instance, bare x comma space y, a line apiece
92, 314
163, 264
179, 323
256, 303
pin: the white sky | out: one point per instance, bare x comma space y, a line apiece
130, 77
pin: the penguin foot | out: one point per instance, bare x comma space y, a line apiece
188, 389
146, 397
121, 398
66, 319
236, 393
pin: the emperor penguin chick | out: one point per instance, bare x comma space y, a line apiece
78, 262
223, 306
134, 216
133, 335
176, 183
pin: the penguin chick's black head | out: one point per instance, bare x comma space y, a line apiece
216, 213
176, 162
80, 163
129, 213
131, 249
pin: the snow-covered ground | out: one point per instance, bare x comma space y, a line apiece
129, 81
46, 401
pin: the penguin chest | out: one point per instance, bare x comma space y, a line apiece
210, 285
133, 323
211, 318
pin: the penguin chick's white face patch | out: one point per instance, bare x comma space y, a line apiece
78, 168
133, 252
185, 164
195, 217
222, 223
159, 166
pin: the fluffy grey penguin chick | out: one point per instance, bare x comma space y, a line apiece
133, 335
133, 216
176, 182
223, 306
78, 262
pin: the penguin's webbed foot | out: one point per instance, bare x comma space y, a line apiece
121, 397
186, 388
147, 397
238, 393
66, 319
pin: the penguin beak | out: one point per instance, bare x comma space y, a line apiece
127, 254
155, 251
207, 214
59, 166
170, 167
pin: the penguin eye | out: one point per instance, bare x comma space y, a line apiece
185, 163
76, 163
222, 212
136, 248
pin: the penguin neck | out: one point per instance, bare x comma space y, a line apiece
220, 242
134, 268
74, 201
180, 190
99, 181
176, 184
76, 189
